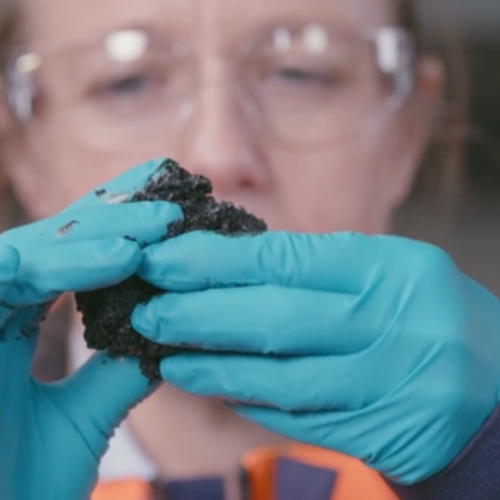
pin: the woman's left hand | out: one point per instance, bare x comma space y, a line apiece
377, 347
52, 436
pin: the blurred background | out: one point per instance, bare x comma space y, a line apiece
474, 237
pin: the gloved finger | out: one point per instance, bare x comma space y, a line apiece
120, 188
99, 395
144, 222
48, 271
263, 320
341, 262
306, 427
354, 433
316, 383
9, 264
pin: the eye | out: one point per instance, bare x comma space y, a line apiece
132, 84
134, 92
304, 76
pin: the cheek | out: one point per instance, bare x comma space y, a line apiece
66, 170
339, 189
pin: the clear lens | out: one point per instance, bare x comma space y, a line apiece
300, 85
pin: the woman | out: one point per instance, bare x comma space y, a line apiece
313, 115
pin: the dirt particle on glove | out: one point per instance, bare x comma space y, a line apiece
66, 228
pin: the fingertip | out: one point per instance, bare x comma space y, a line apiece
132, 179
141, 322
195, 261
129, 249
171, 212
121, 258
122, 187
152, 166
173, 370
163, 266
155, 267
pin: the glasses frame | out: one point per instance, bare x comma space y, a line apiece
395, 51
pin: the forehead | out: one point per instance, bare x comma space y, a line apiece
73, 21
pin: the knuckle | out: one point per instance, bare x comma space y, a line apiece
279, 258
430, 261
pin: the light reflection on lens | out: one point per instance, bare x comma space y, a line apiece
126, 46
315, 39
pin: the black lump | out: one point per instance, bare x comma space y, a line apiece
106, 312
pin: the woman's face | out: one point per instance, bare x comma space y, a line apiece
278, 102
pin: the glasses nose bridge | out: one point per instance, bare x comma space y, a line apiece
220, 97
216, 114
218, 141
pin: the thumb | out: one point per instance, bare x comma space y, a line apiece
99, 395
122, 187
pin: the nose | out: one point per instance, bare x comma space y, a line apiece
218, 140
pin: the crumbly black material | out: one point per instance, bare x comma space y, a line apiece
106, 312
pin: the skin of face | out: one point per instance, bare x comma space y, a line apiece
352, 184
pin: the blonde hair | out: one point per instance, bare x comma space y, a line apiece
440, 177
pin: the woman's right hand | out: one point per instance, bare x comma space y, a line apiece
53, 435
374, 346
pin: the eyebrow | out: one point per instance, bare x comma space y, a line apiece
91, 42
256, 28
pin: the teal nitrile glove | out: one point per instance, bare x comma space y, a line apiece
53, 435
376, 347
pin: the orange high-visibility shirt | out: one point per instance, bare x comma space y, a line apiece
312, 474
